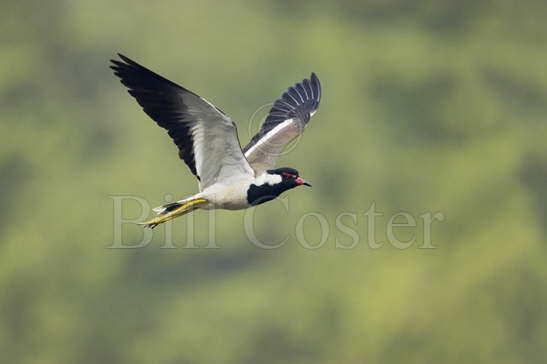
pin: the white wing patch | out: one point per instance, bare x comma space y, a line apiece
263, 154
266, 139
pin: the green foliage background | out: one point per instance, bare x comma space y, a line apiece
427, 106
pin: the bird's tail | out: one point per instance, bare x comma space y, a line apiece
172, 210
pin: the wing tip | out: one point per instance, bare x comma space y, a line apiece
121, 66
127, 60
300, 100
315, 80
306, 101
126, 63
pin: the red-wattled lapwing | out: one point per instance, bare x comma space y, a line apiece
229, 177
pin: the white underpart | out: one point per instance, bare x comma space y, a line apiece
232, 196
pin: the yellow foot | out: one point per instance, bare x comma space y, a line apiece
183, 209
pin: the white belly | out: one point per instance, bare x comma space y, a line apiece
228, 197
232, 196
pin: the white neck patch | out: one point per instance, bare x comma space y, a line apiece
271, 179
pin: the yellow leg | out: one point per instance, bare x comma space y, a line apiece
184, 209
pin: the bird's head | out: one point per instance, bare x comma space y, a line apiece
290, 177
273, 183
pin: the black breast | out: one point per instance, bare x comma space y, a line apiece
264, 193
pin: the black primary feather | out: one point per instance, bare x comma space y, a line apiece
299, 102
162, 100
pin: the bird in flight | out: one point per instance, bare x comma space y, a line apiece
229, 177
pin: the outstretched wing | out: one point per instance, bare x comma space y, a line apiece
286, 120
206, 137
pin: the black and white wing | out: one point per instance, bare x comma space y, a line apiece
206, 137
286, 120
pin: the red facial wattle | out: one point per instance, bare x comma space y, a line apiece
301, 181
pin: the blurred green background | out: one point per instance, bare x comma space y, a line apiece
428, 105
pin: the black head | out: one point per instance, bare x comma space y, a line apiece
273, 186
289, 177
